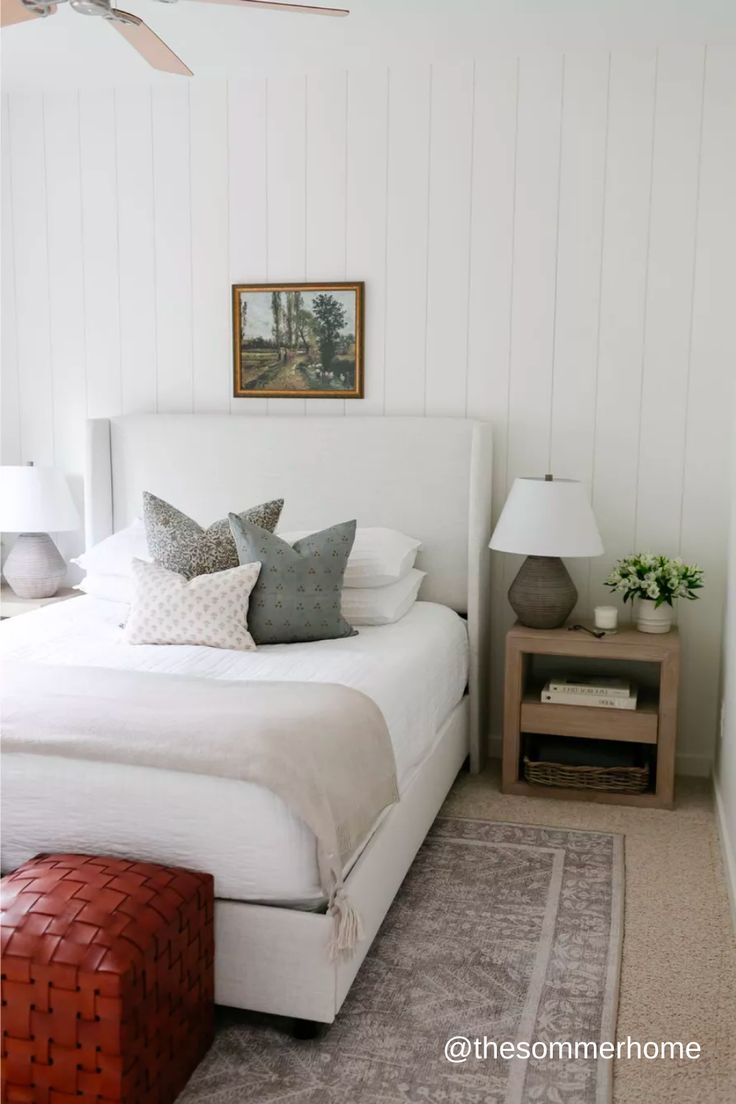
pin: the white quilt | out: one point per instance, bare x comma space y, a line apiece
414, 670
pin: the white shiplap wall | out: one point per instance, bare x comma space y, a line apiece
547, 242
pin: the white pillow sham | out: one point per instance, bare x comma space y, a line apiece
381, 605
210, 610
113, 555
379, 556
113, 588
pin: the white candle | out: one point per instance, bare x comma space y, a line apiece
606, 617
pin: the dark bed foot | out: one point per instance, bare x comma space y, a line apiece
308, 1029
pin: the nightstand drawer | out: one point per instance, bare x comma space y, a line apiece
591, 722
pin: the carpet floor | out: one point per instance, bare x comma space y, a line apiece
678, 978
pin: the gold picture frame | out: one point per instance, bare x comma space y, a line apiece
298, 341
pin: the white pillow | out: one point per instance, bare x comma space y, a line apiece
379, 556
381, 605
113, 555
211, 610
113, 588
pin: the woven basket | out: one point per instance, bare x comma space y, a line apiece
632, 780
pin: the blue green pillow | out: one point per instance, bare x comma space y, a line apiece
299, 590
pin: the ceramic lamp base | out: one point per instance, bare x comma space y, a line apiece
543, 595
34, 567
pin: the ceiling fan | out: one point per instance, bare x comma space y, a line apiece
134, 30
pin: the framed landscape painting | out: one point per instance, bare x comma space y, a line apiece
298, 341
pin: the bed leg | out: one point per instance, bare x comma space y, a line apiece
308, 1029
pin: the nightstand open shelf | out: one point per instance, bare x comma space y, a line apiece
591, 722
652, 725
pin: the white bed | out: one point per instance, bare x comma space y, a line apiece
430, 478
243, 834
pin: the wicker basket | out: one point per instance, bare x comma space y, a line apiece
631, 780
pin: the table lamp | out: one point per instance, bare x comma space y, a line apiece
32, 502
545, 519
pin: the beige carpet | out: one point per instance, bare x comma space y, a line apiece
679, 963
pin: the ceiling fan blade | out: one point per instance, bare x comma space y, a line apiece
149, 45
12, 11
277, 5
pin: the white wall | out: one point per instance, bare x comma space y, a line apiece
546, 240
726, 757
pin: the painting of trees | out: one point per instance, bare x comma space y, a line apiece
298, 339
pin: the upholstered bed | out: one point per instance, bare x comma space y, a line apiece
429, 477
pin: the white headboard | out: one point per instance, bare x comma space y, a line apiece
429, 477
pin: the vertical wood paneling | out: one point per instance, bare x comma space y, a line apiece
10, 413
173, 237
580, 229
100, 237
492, 245
406, 297
31, 278
66, 286
534, 261
365, 246
138, 297
326, 190
669, 297
286, 165
489, 308
211, 335
247, 110
552, 254
703, 518
623, 291
448, 248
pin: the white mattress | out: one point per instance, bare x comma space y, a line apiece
415, 671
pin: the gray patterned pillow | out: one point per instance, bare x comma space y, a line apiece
179, 544
297, 596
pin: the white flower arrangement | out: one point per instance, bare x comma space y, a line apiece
656, 578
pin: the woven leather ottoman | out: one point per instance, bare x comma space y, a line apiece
107, 980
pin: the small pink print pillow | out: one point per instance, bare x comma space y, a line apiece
211, 610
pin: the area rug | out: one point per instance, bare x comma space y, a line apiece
499, 933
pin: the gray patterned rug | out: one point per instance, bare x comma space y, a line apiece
502, 931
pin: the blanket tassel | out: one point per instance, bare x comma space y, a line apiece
347, 929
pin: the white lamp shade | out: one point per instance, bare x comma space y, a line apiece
35, 500
547, 517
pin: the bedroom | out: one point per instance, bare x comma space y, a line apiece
384, 267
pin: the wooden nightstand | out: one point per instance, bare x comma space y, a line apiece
653, 723
11, 605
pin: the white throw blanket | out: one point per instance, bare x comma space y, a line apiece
323, 749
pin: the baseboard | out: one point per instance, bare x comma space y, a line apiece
692, 766
727, 850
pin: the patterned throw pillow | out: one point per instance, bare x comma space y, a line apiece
211, 610
178, 543
297, 596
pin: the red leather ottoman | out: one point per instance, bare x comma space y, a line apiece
107, 980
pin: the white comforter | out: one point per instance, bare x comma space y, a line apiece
415, 671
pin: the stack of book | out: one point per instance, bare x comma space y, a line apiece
605, 693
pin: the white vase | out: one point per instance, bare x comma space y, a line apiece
653, 620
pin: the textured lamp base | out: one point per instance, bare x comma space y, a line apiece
543, 595
34, 567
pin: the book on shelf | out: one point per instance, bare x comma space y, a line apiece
595, 684
598, 701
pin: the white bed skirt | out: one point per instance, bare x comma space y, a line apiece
276, 959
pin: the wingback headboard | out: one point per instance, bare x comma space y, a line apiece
429, 477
